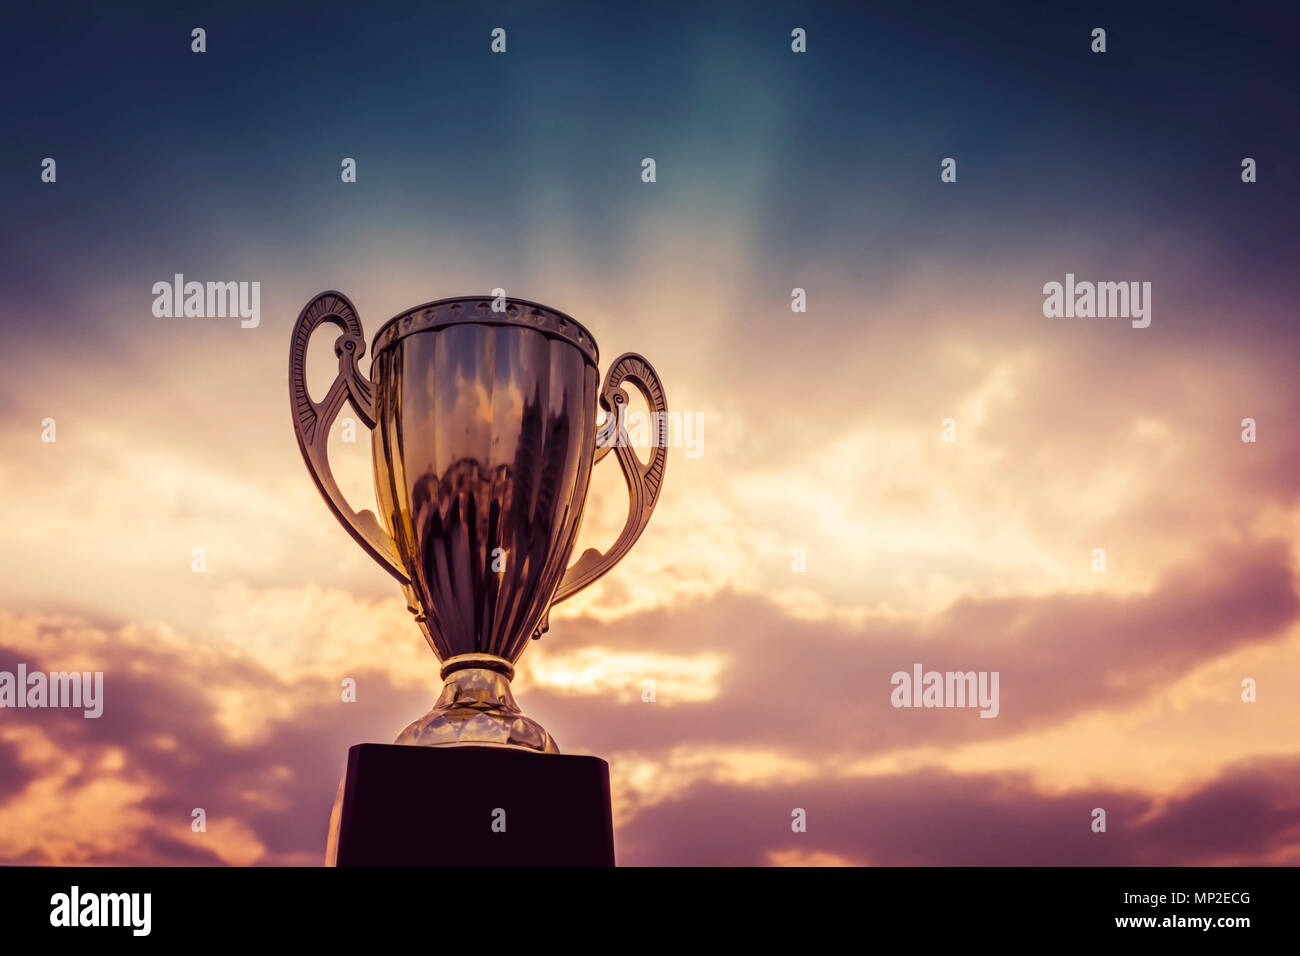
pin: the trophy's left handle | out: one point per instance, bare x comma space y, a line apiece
312, 421
643, 481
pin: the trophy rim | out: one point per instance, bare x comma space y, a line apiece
477, 310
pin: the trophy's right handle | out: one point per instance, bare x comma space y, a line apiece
312, 421
643, 481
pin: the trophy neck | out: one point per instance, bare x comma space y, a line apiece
494, 668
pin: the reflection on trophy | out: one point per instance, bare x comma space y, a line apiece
484, 439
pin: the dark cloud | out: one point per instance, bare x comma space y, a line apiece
819, 687
160, 711
814, 690
1251, 810
933, 817
14, 775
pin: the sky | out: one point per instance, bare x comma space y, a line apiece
918, 469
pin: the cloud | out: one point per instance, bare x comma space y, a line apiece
823, 685
1248, 815
791, 715
122, 788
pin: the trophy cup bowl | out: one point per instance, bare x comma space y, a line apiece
484, 437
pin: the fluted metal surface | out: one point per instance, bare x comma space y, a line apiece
484, 441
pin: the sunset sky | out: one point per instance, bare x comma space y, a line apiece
821, 431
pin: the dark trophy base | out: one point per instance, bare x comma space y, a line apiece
470, 806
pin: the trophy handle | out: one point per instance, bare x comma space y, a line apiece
643, 481
312, 421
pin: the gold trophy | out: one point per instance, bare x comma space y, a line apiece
484, 436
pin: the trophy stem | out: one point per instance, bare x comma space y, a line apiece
477, 709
